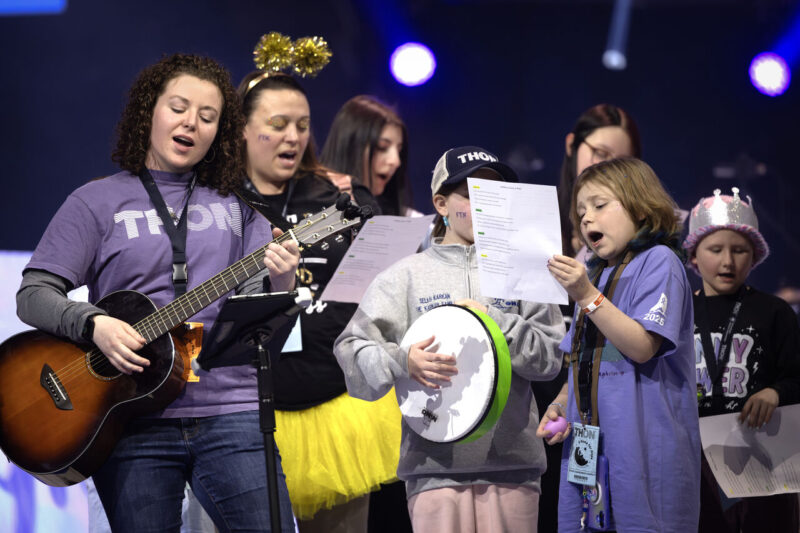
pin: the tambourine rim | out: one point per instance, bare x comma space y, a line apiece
474, 433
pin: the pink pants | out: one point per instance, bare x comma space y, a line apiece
475, 509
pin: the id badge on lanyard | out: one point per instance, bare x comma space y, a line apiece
582, 467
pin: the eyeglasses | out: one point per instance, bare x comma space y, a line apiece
599, 154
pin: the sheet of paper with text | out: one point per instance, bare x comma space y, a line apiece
517, 229
382, 241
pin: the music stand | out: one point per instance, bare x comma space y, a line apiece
248, 323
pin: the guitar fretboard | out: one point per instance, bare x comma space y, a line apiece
211, 290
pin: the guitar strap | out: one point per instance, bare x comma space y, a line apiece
175, 232
258, 203
250, 196
586, 358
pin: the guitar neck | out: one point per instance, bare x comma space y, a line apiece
211, 290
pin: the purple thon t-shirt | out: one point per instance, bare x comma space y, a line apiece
647, 412
108, 236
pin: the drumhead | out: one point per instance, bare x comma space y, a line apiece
473, 401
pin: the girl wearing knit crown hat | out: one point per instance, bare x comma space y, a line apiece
750, 367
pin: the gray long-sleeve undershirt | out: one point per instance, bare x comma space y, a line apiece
42, 303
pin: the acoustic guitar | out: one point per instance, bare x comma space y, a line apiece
63, 405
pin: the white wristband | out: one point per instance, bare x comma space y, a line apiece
592, 307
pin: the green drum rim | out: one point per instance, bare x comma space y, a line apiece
502, 379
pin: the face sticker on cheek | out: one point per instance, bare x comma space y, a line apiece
262, 137
461, 214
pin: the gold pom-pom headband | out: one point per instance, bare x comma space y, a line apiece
276, 52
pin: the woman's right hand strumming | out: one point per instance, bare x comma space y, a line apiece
118, 340
428, 367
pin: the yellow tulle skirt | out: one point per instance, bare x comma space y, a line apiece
337, 451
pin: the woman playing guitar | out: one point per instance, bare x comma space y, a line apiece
179, 145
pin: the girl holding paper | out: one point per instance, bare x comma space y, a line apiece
491, 483
632, 378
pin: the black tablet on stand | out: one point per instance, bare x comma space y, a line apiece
248, 329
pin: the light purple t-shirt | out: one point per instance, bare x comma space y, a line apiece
647, 412
108, 236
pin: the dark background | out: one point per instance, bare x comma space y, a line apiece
512, 76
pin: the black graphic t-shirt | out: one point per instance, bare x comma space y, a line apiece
764, 352
312, 376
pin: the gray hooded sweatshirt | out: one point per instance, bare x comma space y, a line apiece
369, 352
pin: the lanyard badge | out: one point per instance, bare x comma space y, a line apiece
582, 468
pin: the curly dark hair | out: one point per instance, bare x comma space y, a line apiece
225, 172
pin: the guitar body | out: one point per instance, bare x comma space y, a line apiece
63, 405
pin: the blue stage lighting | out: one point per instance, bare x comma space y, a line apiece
32, 7
614, 56
412, 64
770, 74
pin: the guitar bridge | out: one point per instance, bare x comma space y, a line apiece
49, 380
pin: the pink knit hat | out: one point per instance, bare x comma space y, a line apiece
725, 212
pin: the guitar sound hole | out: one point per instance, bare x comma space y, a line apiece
100, 365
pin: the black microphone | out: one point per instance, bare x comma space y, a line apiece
343, 202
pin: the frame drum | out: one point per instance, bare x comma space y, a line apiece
470, 404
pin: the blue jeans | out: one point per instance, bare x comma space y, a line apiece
222, 458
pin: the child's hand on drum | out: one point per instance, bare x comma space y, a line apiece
552, 413
425, 367
468, 302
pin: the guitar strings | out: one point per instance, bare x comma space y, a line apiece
98, 361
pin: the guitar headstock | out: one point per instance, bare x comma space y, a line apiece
328, 222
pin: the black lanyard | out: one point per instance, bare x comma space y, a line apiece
176, 233
261, 204
715, 365
586, 357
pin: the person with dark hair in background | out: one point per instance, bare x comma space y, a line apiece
602, 132
368, 142
179, 145
335, 449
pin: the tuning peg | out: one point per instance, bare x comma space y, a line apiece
339, 239
324, 246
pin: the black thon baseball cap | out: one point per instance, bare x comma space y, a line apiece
457, 164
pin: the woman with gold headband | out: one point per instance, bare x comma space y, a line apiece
335, 449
